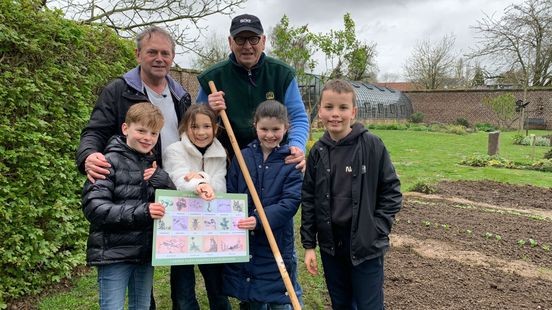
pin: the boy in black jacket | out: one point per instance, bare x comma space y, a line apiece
350, 196
121, 212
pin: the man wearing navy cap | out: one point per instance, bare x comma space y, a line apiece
249, 77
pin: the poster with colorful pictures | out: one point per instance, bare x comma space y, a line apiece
195, 231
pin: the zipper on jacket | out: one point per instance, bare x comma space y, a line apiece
250, 77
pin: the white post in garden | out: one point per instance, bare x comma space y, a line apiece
493, 144
532, 138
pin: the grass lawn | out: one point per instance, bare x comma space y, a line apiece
434, 156
418, 156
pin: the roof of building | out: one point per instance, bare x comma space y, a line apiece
400, 86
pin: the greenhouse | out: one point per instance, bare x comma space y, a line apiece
376, 102
373, 102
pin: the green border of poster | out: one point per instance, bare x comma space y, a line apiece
208, 258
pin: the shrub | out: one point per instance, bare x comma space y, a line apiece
542, 165
419, 127
479, 160
457, 129
438, 127
548, 155
518, 139
483, 160
462, 122
51, 70
539, 141
416, 117
453, 129
424, 187
486, 127
526, 140
392, 126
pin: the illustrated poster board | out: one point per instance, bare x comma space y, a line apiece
195, 231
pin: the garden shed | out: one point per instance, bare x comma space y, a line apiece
376, 102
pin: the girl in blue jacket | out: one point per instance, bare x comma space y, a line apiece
258, 284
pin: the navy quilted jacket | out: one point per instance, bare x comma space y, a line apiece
279, 189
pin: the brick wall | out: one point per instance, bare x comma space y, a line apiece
188, 79
445, 106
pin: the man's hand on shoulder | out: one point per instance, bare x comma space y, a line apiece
296, 157
96, 166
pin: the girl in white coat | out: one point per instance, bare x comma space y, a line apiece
197, 163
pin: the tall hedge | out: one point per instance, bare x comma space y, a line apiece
51, 70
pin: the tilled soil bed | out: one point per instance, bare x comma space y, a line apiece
501, 194
473, 245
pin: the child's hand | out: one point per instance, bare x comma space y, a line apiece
150, 171
156, 210
310, 261
205, 191
247, 223
192, 175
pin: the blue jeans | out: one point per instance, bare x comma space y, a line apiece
352, 287
183, 287
114, 279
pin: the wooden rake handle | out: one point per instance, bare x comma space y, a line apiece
259, 206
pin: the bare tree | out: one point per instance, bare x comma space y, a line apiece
520, 41
389, 77
466, 74
128, 17
430, 65
214, 50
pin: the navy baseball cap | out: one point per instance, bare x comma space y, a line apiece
246, 22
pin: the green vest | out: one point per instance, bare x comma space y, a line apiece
244, 90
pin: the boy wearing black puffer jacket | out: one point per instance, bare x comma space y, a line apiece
121, 210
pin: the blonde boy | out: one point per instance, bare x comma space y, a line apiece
120, 210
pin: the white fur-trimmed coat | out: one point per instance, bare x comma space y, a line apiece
183, 157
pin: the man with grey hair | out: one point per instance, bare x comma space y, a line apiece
149, 81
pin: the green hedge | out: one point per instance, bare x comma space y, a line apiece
51, 70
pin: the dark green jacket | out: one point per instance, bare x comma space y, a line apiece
246, 89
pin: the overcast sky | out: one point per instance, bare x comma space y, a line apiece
395, 26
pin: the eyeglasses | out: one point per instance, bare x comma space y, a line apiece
252, 40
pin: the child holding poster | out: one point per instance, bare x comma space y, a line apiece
121, 210
197, 163
258, 283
